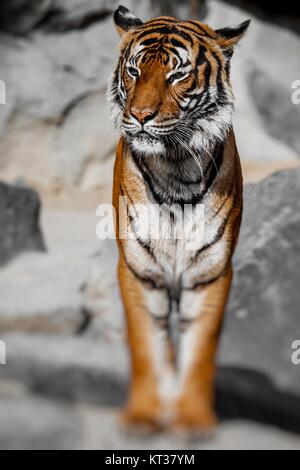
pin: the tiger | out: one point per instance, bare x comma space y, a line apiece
171, 99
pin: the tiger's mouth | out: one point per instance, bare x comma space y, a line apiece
144, 136
143, 142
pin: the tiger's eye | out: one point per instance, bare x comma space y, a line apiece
133, 72
177, 76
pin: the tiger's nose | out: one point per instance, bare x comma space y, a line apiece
142, 115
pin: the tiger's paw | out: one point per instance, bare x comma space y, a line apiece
194, 423
140, 421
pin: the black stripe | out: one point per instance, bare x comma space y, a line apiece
207, 75
163, 196
161, 192
159, 29
128, 49
227, 68
201, 57
200, 28
126, 193
215, 165
175, 51
146, 247
177, 43
150, 50
148, 281
184, 35
162, 323
150, 41
166, 20
166, 30
147, 178
192, 87
185, 323
146, 58
206, 283
219, 80
220, 233
186, 320
219, 72
191, 30
224, 200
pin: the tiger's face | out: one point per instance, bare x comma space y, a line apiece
171, 87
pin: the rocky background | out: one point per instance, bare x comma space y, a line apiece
66, 368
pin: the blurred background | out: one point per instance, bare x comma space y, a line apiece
61, 320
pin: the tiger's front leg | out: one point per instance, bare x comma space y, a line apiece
201, 312
147, 311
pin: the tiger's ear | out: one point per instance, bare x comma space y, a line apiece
230, 36
125, 20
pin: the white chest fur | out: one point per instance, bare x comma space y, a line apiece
176, 246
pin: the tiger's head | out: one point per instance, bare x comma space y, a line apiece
171, 87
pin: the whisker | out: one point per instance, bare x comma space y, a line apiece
191, 152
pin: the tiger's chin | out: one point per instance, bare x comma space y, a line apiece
147, 145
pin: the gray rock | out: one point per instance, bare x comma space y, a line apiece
68, 289
52, 84
77, 71
78, 14
263, 312
21, 16
101, 293
70, 232
41, 292
19, 222
262, 56
73, 369
286, 14
103, 431
46, 141
29, 422
273, 101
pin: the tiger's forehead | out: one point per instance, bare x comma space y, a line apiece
168, 40
188, 30
165, 50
